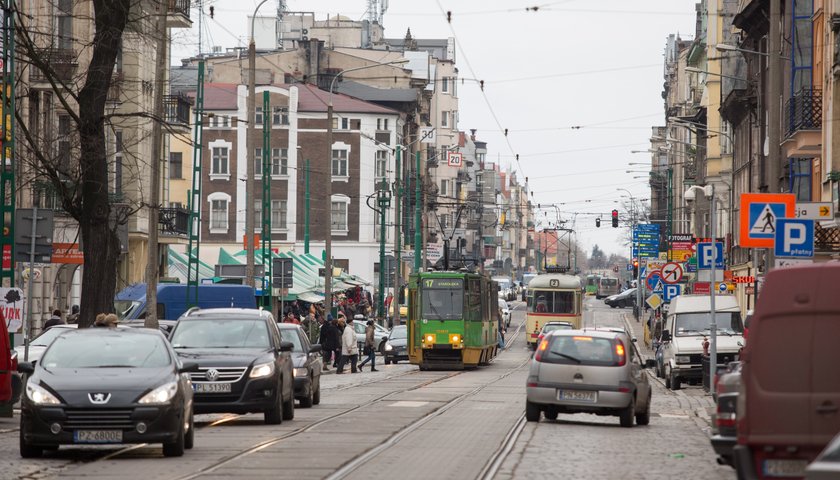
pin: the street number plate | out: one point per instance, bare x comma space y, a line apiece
97, 436
785, 468
578, 395
211, 387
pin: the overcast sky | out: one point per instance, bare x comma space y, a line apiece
577, 84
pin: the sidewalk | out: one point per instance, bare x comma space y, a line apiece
698, 401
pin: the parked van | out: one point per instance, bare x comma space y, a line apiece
687, 326
172, 299
789, 399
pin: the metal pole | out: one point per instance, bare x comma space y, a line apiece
382, 200
395, 301
774, 106
306, 213
328, 304
282, 297
266, 204
29, 294
418, 208
713, 325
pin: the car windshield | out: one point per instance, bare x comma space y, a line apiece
292, 335
580, 350
442, 303
700, 322
108, 350
220, 333
548, 301
125, 308
398, 333
45, 338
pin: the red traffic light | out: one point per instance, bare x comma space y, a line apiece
615, 214
615, 218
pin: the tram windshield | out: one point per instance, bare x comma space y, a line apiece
550, 301
442, 299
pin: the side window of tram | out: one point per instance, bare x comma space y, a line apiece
553, 302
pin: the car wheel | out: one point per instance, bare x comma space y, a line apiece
274, 415
551, 414
613, 306
289, 407
316, 396
626, 416
189, 439
176, 448
644, 417
673, 381
306, 402
27, 450
532, 412
387, 361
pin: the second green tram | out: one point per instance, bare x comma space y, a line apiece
453, 319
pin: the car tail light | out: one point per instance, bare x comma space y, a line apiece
543, 346
620, 353
725, 420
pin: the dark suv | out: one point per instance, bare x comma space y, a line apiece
244, 366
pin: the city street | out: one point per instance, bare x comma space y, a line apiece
404, 423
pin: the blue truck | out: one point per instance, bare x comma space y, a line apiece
130, 303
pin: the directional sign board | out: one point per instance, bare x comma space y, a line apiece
706, 253
794, 238
671, 291
655, 301
814, 210
759, 212
672, 272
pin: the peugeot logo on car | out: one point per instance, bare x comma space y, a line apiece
212, 375
99, 398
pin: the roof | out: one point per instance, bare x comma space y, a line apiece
223, 96
546, 281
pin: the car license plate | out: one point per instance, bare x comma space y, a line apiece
211, 387
97, 436
577, 395
785, 468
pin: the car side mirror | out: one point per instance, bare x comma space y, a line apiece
27, 368
286, 346
188, 367
666, 336
315, 348
650, 363
384, 339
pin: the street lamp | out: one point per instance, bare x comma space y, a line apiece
706, 72
328, 184
709, 192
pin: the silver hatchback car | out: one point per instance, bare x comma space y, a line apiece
588, 371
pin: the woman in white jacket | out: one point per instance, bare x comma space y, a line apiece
349, 348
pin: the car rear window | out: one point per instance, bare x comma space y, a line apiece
554, 326
580, 350
221, 333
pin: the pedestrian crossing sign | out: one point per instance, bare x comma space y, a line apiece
759, 212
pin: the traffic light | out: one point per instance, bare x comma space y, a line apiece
635, 268
598, 222
615, 218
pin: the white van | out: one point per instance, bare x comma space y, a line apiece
687, 327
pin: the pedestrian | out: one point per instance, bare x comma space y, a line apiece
74, 314
370, 347
349, 348
311, 326
327, 340
54, 320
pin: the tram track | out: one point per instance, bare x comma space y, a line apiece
491, 468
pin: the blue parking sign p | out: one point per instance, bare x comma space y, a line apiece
794, 238
671, 291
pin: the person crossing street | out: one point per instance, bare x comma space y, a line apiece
370, 346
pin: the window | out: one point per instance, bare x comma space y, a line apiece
220, 161
118, 160
444, 84
280, 161
382, 124
341, 123
338, 214
219, 204
225, 119
215, 121
547, 301
64, 18
258, 162
278, 214
444, 119
800, 178
443, 188
381, 167
176, 165
339, 163
280, 116
258, 215
64, 144
258, 116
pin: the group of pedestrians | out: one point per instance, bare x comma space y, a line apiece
338, 343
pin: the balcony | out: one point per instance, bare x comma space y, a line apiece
803, 123
61, 63
173, 222
177, 109
179, 14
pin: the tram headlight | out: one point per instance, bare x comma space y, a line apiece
456, 338
430, 338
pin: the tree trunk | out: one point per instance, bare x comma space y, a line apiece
102, 248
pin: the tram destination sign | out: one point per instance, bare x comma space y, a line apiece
443, 283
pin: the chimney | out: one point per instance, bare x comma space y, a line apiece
472, 134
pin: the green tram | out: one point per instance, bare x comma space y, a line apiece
452, 319
592, 282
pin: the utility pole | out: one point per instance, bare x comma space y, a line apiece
398, 194
774, 107
383, 201
152, 259
418, 209
306, 212
266, 205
